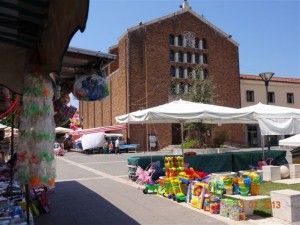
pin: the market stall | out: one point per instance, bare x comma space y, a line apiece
230, 194
273, 120
31, 68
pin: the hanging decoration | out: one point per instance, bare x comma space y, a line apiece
35, 157
90, 87
62, 112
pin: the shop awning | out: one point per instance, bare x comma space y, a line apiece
36, 32
98, 129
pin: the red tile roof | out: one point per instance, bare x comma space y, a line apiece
274, 79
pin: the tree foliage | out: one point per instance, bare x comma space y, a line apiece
201, 90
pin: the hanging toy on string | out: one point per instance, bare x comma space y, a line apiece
90, 87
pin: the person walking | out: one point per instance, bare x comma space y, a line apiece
117, 145
110, 147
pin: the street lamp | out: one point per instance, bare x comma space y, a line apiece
266, 77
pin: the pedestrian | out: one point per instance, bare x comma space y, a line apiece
105, 147
117, 145
110, 147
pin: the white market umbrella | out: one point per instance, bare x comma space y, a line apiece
273, 120
181, 112
291, 141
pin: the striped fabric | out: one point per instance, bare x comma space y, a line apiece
98, 129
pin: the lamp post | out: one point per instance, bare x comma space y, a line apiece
266, 77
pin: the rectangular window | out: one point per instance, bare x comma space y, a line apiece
171, 39
172, 56
250, 96
189, 57
271, 97
290, 98
181, 72
180, 56
180, 40
205, 60
197, 59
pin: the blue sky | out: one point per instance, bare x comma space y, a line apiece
268, 31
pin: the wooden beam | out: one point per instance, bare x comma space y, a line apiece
21, 26
38, 3
16, 41
23, 37
25, 9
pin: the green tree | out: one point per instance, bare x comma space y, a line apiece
201, 90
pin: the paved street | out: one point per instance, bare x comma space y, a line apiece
94, 189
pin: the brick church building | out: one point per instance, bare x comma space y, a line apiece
156, 60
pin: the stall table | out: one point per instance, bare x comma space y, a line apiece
127, 147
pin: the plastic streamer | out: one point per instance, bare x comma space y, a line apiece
35, 157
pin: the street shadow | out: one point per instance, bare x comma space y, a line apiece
74, 204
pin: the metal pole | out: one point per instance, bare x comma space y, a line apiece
263, 147
267, 100
147, 138
181, 129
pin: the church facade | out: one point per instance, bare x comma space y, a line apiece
157, 60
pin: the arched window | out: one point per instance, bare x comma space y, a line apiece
180, 56
196, 42
197, 58
205, 74
171, 39
189, 57
172, 56
181, 72
205, 59
204, 44
173, 71
180, 40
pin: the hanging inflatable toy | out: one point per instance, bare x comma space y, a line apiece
90, 87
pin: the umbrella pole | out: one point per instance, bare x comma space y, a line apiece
181, 129
263, 146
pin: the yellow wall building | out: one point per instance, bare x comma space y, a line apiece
282, 91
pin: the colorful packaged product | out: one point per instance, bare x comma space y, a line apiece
206, 203
214, 205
